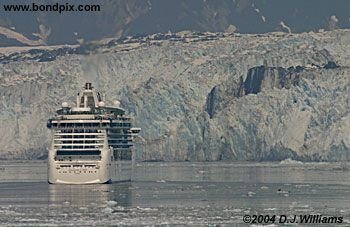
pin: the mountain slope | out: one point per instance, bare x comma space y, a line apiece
121, 18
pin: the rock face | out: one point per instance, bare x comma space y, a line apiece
227, 97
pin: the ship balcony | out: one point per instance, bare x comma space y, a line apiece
78, 143
115, 140
66, 156
78, 136
135, 130
78, 139
97, 124
110, 143
118, 133
76, 147
120, 145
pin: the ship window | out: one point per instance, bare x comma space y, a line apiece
90, 102
90, 166
82, 101
65, 166
72, 152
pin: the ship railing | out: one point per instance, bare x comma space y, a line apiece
100, 112
82, 145
77, 145
90, 126
121, 145
79, 133
78, 149
119, 139
88, 140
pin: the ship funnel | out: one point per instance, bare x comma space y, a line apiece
88, 86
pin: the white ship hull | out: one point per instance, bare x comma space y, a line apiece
88, 172
80, 171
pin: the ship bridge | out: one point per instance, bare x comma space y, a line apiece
88, 98
89, 101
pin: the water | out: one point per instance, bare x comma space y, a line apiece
177, 194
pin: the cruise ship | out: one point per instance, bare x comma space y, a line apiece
92, 142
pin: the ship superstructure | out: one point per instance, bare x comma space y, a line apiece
92, 142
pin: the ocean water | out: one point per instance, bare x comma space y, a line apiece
179, 194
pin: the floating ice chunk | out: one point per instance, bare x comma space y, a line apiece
247, 211
290, 161
302, 185
120, 209
107, 210
29, 220
197, 186
146, 209
112, 203
274, 208
161, 181
346, 221
250, 194
264, 187
280, 191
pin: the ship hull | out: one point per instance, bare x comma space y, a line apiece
83, 172
73, 170
78, 176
